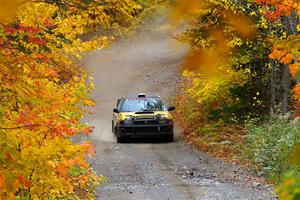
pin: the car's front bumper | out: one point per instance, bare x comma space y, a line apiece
145, 130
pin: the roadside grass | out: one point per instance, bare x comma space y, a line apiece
269, 146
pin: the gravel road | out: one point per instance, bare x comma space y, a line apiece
149, 169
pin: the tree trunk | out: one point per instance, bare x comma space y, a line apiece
273, 87
285, 83
290, 23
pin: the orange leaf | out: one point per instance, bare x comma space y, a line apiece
27, 184
294, 68
16, 184
61, 168
21, 179
296, 91
289, 181
2, 182
287, 58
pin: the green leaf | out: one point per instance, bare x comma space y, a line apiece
76, 171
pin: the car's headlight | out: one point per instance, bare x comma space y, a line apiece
127, 121
164, 121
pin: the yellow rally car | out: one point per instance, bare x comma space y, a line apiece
142, 116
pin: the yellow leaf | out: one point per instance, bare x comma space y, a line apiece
8, 7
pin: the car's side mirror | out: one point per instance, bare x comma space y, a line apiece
116, 110
171, 108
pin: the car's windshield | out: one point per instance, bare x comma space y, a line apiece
141, 104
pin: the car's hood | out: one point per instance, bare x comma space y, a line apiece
124, 115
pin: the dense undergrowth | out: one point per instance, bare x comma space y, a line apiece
269, 145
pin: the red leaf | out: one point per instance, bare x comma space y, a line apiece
9, 156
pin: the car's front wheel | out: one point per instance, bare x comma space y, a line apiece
121, 139
169, 138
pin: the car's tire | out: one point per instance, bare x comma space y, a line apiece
169, 138
121, 139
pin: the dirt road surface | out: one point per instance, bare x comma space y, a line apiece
149, 169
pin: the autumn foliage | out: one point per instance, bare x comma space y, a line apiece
286, 48
44, 93
220, 29
244, 65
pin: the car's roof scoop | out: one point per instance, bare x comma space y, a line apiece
145, 112
141, 95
